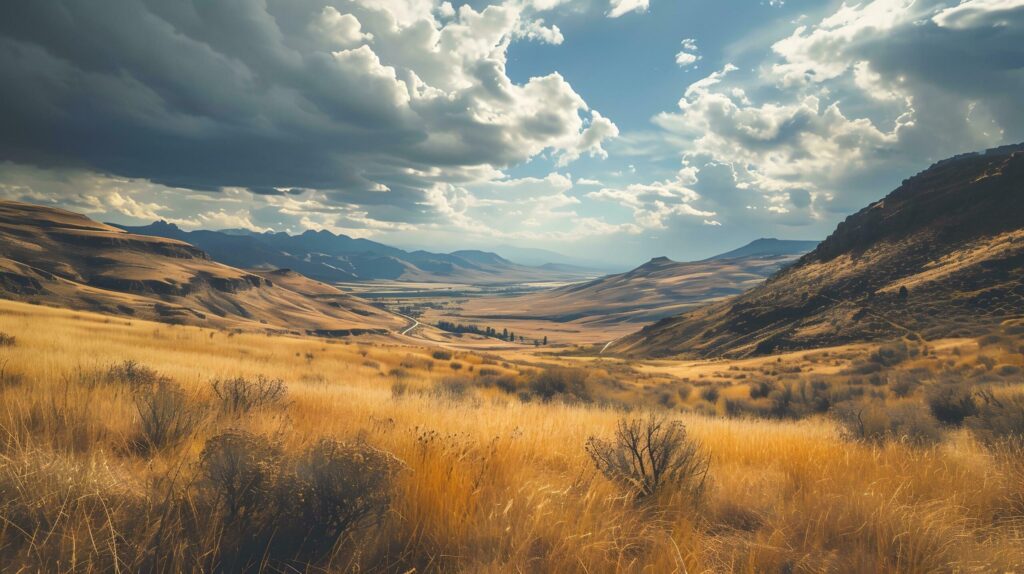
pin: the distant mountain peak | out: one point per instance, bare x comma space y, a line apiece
164, 224
768, 247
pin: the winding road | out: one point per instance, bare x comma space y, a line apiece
606, 345
415, 323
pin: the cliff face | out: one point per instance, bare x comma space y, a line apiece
942, 255
57, 257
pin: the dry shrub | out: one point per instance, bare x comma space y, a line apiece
560, 382
290, 512
508, 384
998, 418
650, 455
452, 388
951, 403
877, 422
399, 389
340, 486
131, 374
239, 470
166, 415
710, 393
892, 354
416, 362
241, 395
761, 389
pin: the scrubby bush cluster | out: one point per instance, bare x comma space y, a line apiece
277, 509
167, 415
240, 395
876, 422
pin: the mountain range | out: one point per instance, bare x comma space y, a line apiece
941, 256
334, 258
657, 289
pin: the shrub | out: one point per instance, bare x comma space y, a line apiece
337, 487
761, 389
986, 362
998, 418
241, 395
399, 389
132, 374
560, 381
903, 386
452, 388
238, 470
166, 416
891, 354
508, 384
951, 403
7, 340
877, 422
709, 394
442, 355
455, 365
1007, 370
684, 390
416, 362
649, 455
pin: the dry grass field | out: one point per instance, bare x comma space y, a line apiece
441, 461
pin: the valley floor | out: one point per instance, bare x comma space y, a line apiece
488, 477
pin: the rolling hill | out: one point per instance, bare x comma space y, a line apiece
61, 258
333, 258
659, 288
941, 256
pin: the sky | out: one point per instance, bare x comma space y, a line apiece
611, 130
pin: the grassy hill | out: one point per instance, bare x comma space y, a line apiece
61, 258
941, 256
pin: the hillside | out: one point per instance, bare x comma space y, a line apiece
61, 258
941, 256
657, 289
333, 258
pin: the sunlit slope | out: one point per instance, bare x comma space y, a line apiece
942, 255
61, 258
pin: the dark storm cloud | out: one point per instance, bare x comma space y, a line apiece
247, 93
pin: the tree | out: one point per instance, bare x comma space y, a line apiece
545, 340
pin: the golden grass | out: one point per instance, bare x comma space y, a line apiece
493, 484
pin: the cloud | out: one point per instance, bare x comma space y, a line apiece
846, 107
342, 29
654, 203
688, 55
980, 13
621, 7
368, 102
